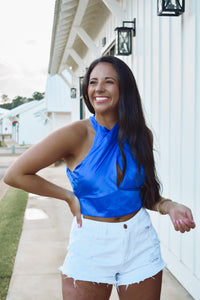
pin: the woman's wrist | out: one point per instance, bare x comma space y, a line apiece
163, 206
69, 196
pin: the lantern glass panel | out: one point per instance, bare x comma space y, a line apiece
124, 41
73, 93
170, 7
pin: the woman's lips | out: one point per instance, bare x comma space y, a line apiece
100, 99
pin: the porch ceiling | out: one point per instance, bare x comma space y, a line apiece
76, 24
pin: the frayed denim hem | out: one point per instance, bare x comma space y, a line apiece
114, 282
78, 279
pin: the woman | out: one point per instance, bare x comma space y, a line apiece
111, 167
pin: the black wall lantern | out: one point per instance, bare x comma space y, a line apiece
73, 93
124, 38
170, 7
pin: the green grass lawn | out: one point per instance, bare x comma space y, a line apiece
12, 208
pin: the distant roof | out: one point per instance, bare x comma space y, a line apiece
23, 107
3, 111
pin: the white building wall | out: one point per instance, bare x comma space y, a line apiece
29, 122
31, 129
5, 126
166, 65
59, 120
62, 109
58, 95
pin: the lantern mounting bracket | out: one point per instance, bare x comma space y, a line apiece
130, 22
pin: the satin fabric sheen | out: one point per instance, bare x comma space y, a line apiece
94, 180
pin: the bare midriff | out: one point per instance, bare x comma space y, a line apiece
112, 220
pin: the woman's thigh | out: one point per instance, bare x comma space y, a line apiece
149, 289
84, 290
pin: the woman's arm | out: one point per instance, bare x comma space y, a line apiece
181, 215
61, 144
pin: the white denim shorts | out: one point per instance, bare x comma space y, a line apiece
120, 253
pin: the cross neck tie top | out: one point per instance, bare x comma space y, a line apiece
94, 180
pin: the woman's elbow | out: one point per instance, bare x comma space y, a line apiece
10, 178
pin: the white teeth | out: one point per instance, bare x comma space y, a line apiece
101, 98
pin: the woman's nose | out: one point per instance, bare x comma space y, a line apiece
100, 86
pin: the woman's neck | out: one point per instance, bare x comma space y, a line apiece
106, 121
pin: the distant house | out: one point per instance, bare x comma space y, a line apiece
31, 122
58, 101
5, 124
28, 122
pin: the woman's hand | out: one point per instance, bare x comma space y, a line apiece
181, 217
75, 207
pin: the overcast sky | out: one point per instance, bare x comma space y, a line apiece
25, 38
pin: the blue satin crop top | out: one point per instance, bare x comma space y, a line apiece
94, 180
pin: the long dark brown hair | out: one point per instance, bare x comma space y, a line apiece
132, 127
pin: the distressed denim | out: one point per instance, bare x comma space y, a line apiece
120, 253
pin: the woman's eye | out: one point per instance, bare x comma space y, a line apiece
109, 81
92, 82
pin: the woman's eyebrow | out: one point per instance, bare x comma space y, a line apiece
110, 77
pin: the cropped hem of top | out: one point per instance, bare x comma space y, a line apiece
94, 180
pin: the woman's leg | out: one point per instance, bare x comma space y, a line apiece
84, 290
149, 289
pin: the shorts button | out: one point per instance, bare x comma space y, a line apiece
125, 226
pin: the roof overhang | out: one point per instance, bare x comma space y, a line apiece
76, 25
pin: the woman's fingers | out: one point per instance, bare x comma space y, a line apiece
183, 225
75, 208
79, 220
181, 217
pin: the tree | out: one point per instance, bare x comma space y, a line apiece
18, 101
5, 99
38, 95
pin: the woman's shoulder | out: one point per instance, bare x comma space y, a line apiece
77, 137
80, 127
76, 133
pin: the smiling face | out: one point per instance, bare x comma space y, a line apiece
103, 89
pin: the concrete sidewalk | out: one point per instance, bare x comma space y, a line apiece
43, 245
